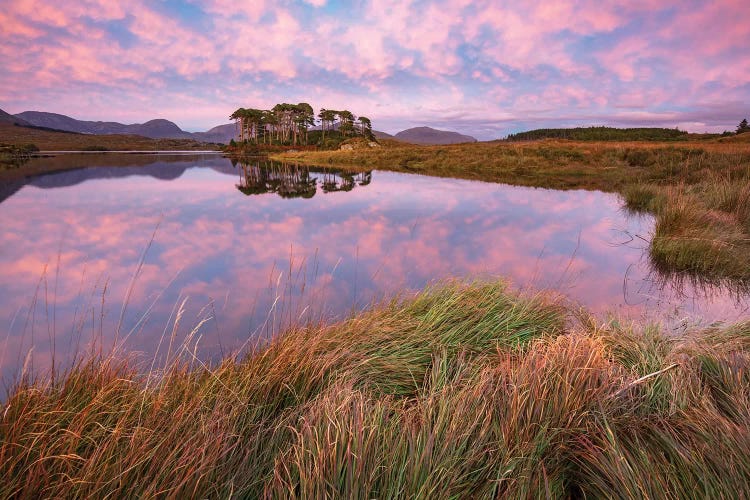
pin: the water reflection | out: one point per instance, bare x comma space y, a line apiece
261, 176
694, 287
255, 263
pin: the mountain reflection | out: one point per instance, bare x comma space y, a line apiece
261, 176
67, 170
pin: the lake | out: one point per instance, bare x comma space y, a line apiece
147, 250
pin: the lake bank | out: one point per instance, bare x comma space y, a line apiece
699, 191
466, 389
51, 140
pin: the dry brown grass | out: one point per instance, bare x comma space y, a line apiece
63, 141
606, 166
467, 390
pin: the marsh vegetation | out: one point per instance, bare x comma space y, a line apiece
466, 389
698, 191
12, 156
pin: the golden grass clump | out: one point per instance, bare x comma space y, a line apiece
465, 390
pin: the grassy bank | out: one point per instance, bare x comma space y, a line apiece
698, 191
465, 390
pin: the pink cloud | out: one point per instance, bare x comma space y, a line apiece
396, 60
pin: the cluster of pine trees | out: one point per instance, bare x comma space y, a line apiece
345, 122
289, 124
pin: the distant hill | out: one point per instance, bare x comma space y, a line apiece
602, 134
158, 129
221, 133
381, 135
165, 129
14, 120
154, 129
50, 140
428, 135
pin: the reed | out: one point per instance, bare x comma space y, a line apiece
467, 389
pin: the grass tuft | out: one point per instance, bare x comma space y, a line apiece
464, 390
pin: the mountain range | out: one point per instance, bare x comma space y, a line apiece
165, 129
428, 135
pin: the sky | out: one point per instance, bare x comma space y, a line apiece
481, 67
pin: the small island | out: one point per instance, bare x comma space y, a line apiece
294, 125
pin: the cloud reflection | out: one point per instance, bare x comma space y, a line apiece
235, 256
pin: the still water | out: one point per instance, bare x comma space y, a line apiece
138, 250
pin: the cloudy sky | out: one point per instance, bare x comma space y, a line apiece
481, 67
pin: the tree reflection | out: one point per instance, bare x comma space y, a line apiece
261, 175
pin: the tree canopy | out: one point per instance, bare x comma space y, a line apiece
602, 134
290, 124
743, 127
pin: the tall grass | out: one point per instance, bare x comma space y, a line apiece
702, 228
464, 390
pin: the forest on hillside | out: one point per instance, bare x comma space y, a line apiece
601, 134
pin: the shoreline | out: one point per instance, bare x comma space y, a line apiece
43, 154
442, 392
696, 190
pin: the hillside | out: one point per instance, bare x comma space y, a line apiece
736, 139
381, 135
221, 133
62, 141
154, 129
158, 129
8, 118
428, 135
